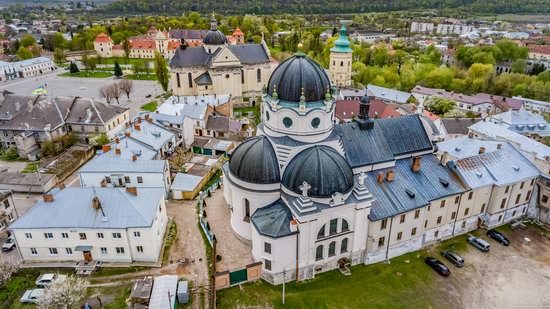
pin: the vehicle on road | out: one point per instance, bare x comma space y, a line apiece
9, 244
148, 96
32, 296
479, 243
453, 257
438, 266
499, 237
47, 279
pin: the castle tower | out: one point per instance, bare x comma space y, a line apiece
239, 36
340, 60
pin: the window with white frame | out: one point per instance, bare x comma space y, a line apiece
119, 250
137, 234
139, 249
82, 236
69, 251
103, 250
48, 235
53, 251
117, 236
100, 235
28, 235
33, 251
65, 235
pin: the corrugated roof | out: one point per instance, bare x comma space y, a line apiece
151, 134
72, 208
389, 94
464, 147
458, 125
117, 164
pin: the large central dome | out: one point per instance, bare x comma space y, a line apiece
297, 73
323, 168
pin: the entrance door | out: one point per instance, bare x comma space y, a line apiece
87, 256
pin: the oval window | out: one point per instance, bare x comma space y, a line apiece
287, 122
267, 115
315, 122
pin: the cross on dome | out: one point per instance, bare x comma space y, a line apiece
304, 187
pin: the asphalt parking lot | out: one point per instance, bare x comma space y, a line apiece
84, 87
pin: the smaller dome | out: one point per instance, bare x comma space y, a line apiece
255, 161
214, 37
323, 168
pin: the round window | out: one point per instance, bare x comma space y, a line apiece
267, 115
315, 122
226, 75
287, 122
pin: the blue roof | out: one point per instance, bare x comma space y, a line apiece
432, 182
273, 220
463, 147
129, 147
114, 164
72, 208
151, 134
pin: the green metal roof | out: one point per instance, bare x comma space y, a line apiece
342, 44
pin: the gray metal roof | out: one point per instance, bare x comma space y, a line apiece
185, 182
250, 53
432, 182
198, 56
188, 34
214, 37
463, 147
323, 168
389, 94
128, 148
191, 56
458, 125
203, 79
255, 161
217, 123
110, 164
151, 134
72, 208
273, 220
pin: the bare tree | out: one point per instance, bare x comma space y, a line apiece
126, 85
115, 91
8, 267
106, 93
64, 294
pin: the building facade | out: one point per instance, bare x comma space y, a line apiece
8, 213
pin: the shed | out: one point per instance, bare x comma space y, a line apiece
186, 186
164, 292
183, 292
141, 291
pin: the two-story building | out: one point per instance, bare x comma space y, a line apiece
8, 213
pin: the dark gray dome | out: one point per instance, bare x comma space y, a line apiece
214, 37
296, 73
365, 99
255, 161
323, 168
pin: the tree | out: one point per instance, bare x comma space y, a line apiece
126, 85
118, 70
454, 113
126, 47
24, 53
73, 68
106, 93
139, 67
519, 66
161, 70
115, 92
439, 105
27, 40
102, 139
8, 267
59, 56
64, 294
537, 69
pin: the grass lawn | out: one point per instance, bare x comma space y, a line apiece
9, 154
123, 60
169, 240
30, 168
87, 74
141, 76
150, 107
244, 112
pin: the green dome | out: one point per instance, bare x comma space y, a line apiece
342, 43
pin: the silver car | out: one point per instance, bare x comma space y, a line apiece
47, 279
9, 244
479, 243
32, 296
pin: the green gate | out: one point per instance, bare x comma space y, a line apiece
238, 276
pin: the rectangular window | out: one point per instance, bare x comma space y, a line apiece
522, 184
333, 226
528, 196
6, 204
190, 79
518, 197
53, 251
82, 236
267, 247
126, 179
453, 215
383, 224
103, 250
457, 199
64, 235
470, 195
69, 251
507, 189
137, 234
33, 251
399, 235
100, 235
402, 219
140, 179
483, 207
532, 182
503, 203
466, 211
439, 220
463, 224
108, 179
267, 264
381, 241
178, 80
417, 214
48, 235
119, 250
436, 233
426, 224
139, 249
442, 203
117, 236
259, 75
413, 231
28, 235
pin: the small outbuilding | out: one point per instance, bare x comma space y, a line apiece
186, 186
163, 295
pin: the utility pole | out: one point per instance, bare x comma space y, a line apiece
284, 280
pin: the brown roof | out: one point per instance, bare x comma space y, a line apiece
378, 109
103, 38
539, 49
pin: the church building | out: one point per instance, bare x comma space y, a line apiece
218, 67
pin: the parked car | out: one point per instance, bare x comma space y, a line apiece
148, 95
31, 296
479, 243
498, 236
47, 279
438, 266
9, 244
453, 257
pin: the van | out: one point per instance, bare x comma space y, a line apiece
479, 243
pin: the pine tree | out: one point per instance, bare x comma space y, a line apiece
118, 70
73, 68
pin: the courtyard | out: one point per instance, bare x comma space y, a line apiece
517, 276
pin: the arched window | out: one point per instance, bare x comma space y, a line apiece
242, 76
190, 78
321, 233
319, 253
259, 75
344, 246
246, 210
332, 249
345, 226
341, 63
178, 79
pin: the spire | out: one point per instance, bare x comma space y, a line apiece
213, 23
342, 43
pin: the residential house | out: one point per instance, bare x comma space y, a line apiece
417, 27
152, 134
35, 66
523, 122
8, 213
534, 105
388, 95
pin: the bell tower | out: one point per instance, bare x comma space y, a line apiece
340, 60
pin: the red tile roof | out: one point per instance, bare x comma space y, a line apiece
173, 45
432, 116
345, 109
539, 49
103, 38
237, 32
143, 44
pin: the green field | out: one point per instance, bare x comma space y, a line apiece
123, 60
150, 107
87, 74
30, 168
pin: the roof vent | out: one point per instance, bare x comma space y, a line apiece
444, 182
458, 149
410, 193
479, 174
516, 168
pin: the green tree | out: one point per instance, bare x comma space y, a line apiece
24, 53
439, 105
59, 56
27, 40
519, 66
73, 68
161, 70
483, 57
118, 70
102, 140
126, 47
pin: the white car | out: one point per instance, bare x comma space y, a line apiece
32, 296
47, 279
9, 244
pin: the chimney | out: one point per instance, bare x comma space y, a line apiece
103, 183
147, 117
156, 112
380, 177
470, 134
139, 119
137, 126
117, 151
481, 150
293, 225
132, 190
134, 157
127, 134
499, 146
48, 197
61, 186
415, 167
106, 148
445, 158
390, 175
96, 204
117, 140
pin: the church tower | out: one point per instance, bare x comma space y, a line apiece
340, 60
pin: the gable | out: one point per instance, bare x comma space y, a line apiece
225, 58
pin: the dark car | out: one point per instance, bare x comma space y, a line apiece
498, 237
453, 257
438, 266
148, 95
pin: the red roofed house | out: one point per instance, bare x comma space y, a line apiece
539, 52
346, 110
103, 45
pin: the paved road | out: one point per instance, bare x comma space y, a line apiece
85, 87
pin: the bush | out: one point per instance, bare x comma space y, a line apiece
10, 154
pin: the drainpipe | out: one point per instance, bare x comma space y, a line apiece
129, 245
389, 239
457, 212
297, 254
